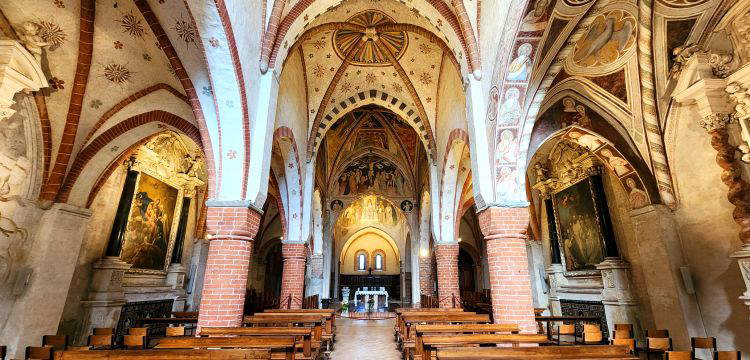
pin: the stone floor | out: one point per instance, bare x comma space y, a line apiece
365, 340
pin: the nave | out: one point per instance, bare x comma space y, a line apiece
251, 168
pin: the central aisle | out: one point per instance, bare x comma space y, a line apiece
365, 340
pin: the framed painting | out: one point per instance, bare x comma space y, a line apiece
579, 228
149, 229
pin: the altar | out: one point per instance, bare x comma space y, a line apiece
366, 294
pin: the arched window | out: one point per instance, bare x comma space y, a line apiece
360, 263
378, 260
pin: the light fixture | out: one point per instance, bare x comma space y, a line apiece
459, 239
209, 236
424, 252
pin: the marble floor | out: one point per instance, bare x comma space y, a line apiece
365, 340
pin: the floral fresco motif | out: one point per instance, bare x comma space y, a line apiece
132, 25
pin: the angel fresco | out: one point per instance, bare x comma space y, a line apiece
610, 35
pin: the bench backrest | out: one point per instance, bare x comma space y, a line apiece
542, 352
256, 331
164, 354
468, 339
466, 328
242, 342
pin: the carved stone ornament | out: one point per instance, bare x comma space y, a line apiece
568, 164
681, 56
741, 96
721, 64
715, 121
167, 158
19, 71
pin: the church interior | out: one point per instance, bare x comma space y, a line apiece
375, 179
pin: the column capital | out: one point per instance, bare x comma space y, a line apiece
504, 222
232, 223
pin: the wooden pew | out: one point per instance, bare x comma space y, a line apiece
280, 347
427, 343
316, 321
166, 321
229, 354
330, 317
542, 352
457, 318
401, 326
422, 329
303, 335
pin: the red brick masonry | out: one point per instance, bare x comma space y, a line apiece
504, 231
446, 256
232, 230
293, 278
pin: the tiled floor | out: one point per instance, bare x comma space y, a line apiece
365, 340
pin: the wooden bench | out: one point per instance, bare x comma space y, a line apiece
303, 335
400, 327
185, 314
542, 352
328, 326
458, 318
166, 321
426, 344
280, 347
420, 330
316, 321
229, 354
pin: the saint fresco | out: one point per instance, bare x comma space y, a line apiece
371, 173
149, 224
369, 209
578, 227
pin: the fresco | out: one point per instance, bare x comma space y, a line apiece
578, 225
369, 209
372, 173
608, 38
149, 224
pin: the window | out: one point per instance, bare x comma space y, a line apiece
378, 261
362, 262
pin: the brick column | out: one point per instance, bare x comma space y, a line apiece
425, 276
231, 231
293, 278
446, 256
504, 231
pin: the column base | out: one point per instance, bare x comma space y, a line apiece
176, 274
556, 278
619, 302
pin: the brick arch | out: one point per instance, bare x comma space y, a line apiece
87, 153
280, 27
421, 126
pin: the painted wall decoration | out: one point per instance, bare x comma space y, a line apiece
370, 209
536, 18
372, 173
149, 224
510, 111
407, 206
578, 227
506, 149
609, 37
370, 54
519, 68
337, 205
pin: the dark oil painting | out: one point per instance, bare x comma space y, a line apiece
578, 227
149, 224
